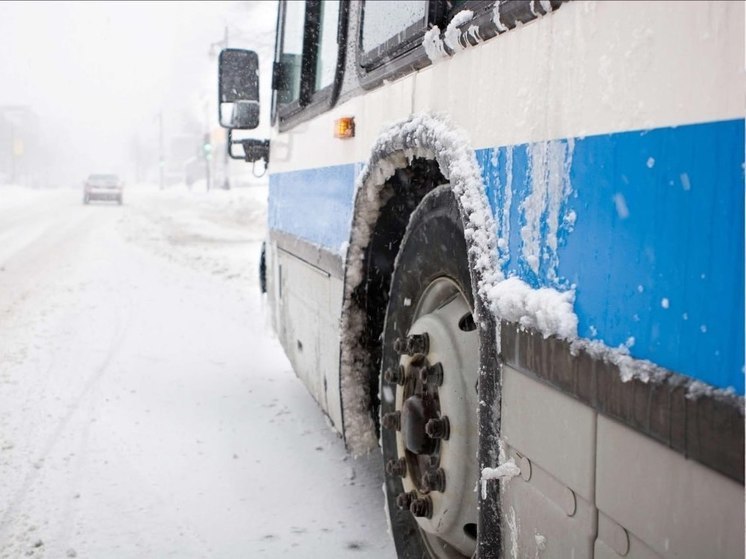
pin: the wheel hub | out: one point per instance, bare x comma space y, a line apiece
417, 411
435, 419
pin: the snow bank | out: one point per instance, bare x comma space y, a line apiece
12, 196
219, 231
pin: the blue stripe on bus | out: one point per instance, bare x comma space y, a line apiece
314, 204
655, 252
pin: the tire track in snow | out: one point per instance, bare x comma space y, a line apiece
34, 257
6, 521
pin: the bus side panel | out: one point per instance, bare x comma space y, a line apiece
314, 205
594, 68
627, 118
677, 507
308, 218
306, 304
611, 141
591, 487
646, 231
552, 438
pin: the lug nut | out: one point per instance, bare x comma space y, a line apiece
435, 480
421, 507
403, 500
417, 364
432, 375
438, 428
416, 343
392, 420
397, 467
400, 345
395, 375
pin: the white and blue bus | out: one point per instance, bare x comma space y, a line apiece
506, 247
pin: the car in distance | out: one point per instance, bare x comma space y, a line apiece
103, 187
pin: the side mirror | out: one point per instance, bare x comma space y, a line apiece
238, 89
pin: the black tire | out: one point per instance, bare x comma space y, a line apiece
433, 251
263, 268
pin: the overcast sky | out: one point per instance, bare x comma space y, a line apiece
98, 73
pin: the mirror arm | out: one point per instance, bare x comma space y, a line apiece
229, 146
254, 150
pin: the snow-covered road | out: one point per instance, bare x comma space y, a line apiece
145, 408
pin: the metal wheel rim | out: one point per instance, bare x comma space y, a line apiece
439, 313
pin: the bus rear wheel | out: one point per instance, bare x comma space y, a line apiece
430, 362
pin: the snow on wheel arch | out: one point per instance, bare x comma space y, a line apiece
424, 136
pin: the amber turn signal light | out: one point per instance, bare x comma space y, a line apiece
344, 127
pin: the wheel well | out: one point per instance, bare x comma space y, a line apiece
408, 186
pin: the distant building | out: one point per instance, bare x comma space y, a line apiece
184, 163
19, 145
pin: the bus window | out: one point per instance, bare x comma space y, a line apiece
292, 51
326, 61
389, 26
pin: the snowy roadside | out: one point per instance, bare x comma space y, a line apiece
145, 409
219, 231
12, 196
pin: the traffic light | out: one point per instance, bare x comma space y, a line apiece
206, 147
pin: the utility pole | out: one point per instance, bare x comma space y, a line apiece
207, 144
226, 159
161, 160
22, 126
12, 153
213, 53
207, 155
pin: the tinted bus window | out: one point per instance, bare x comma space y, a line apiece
292, 51
385, 20
326, 62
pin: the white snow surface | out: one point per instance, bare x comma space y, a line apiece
501, 27
549, 169
547, 5
698, 389
646, 371
507, 206
547, 310
505, 471
452, 34
541, 543
146, 410
433, 45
